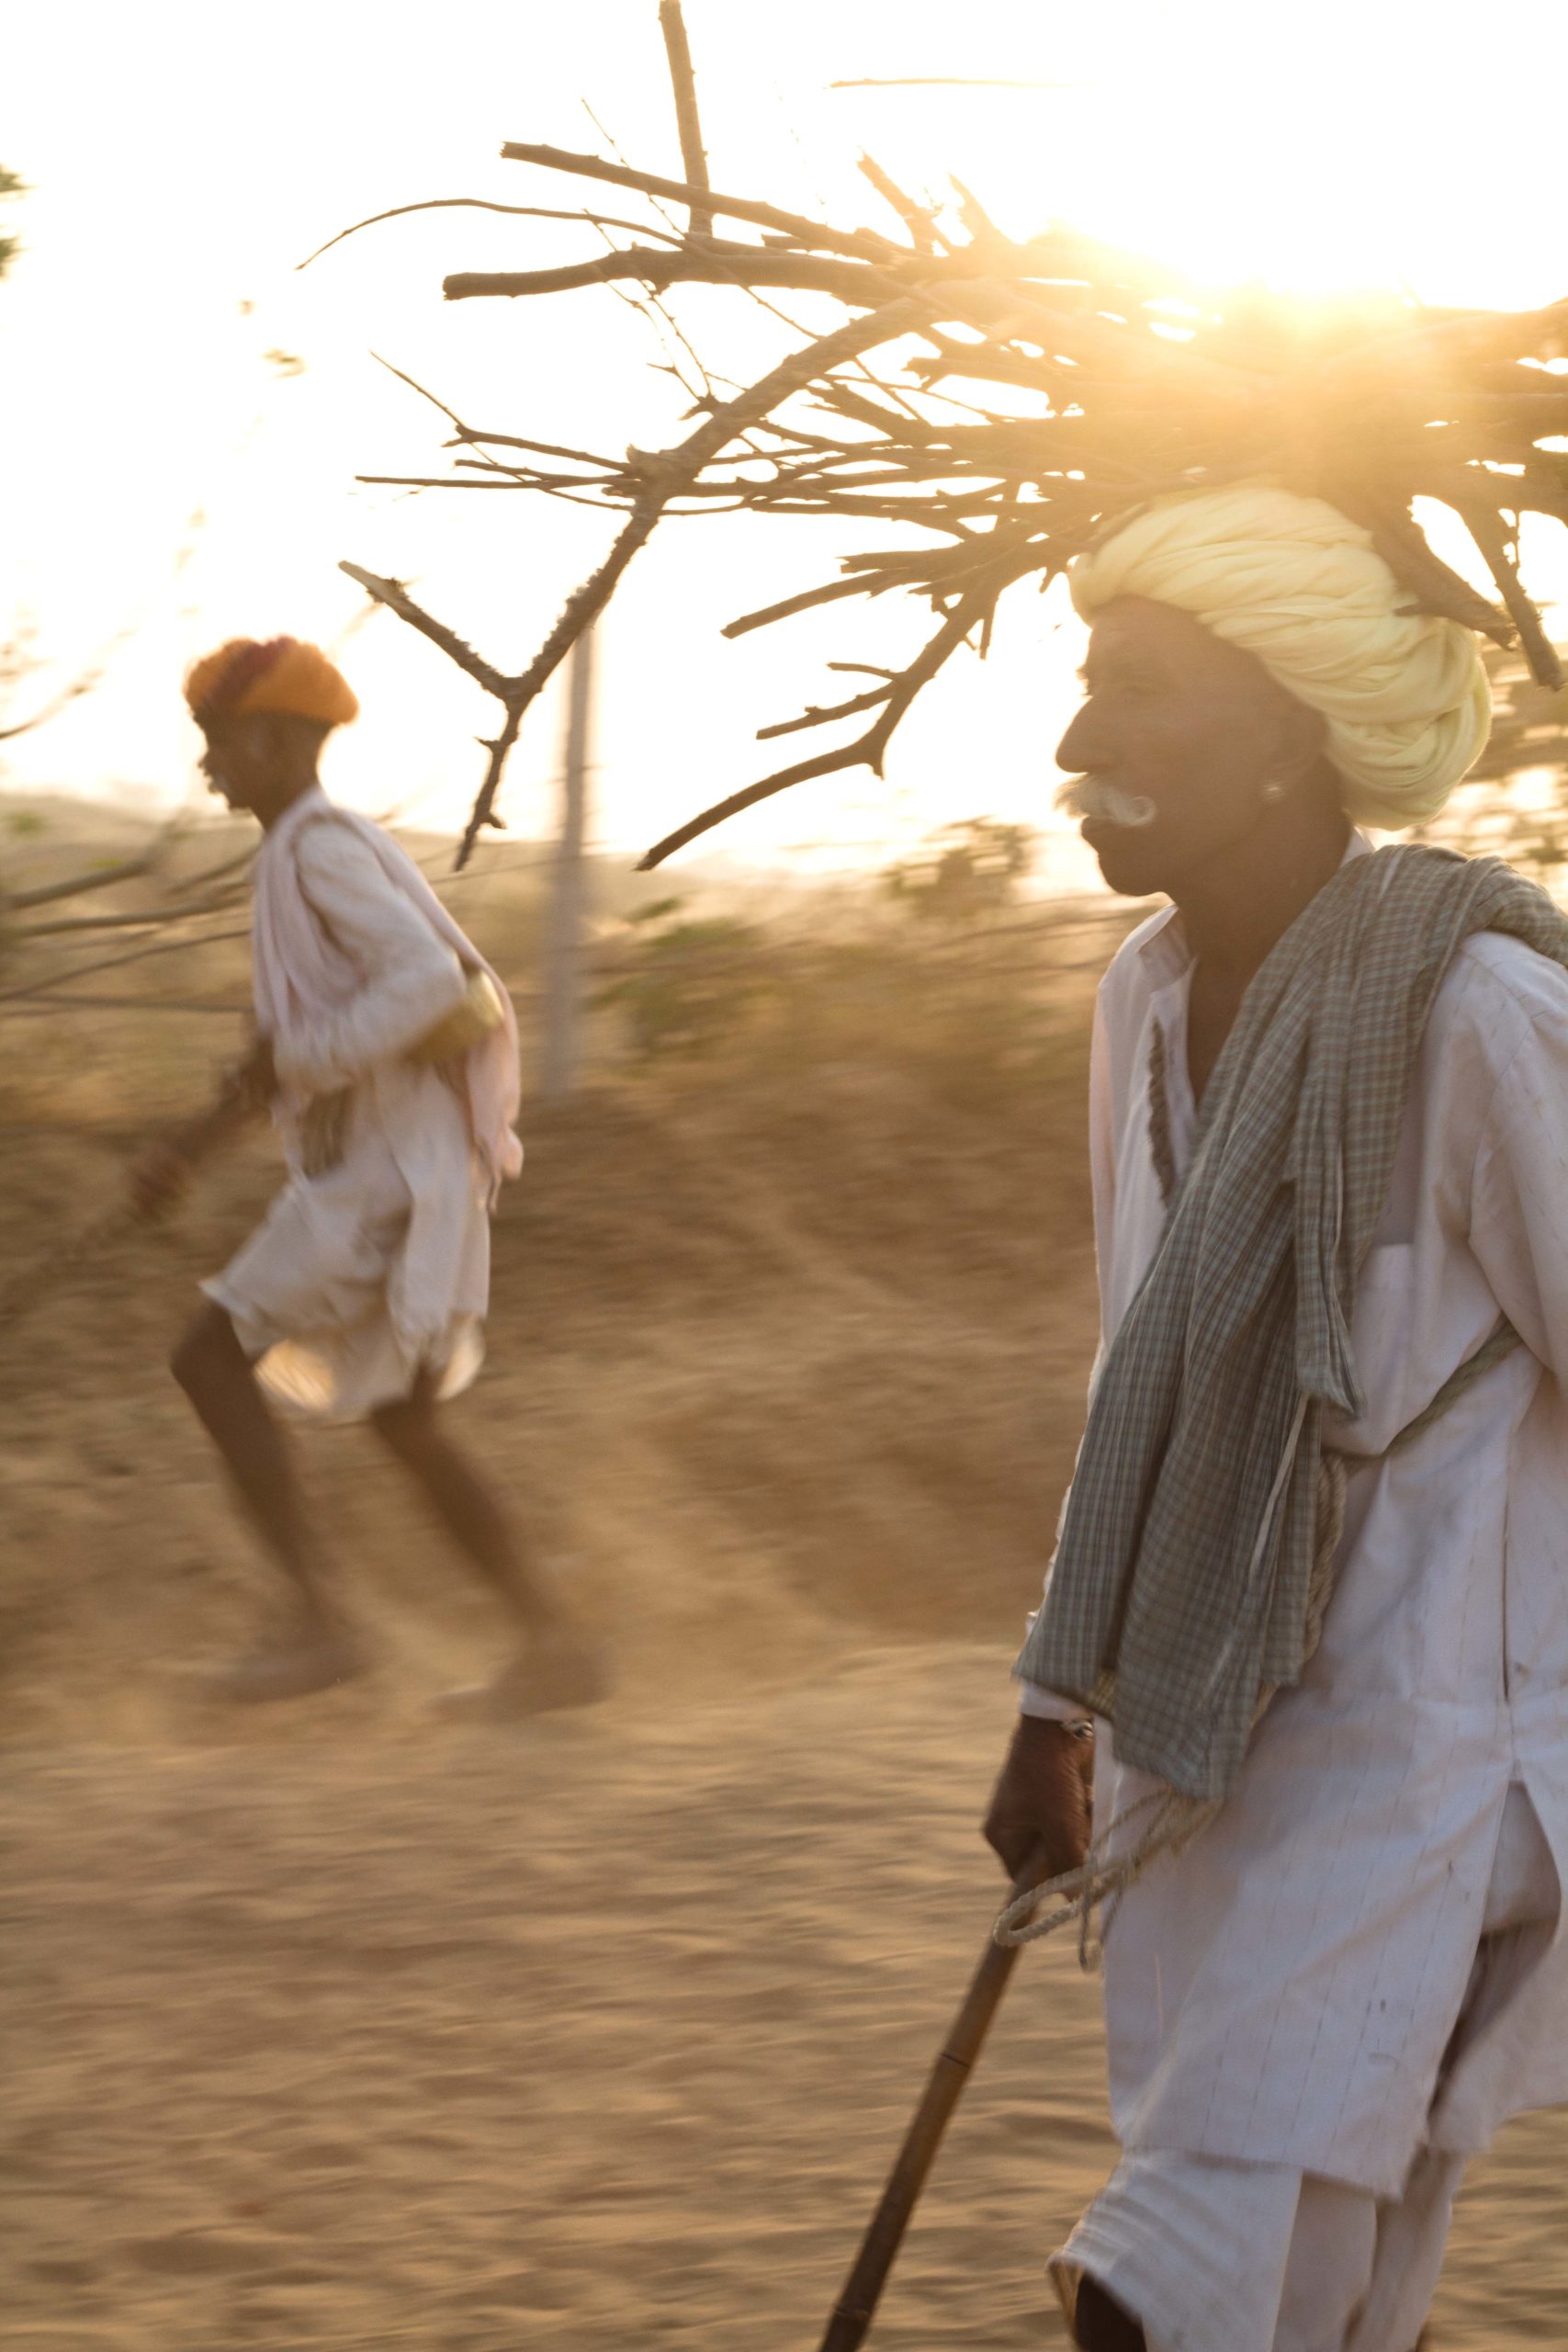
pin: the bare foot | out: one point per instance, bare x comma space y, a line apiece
556, 1670
293, 1667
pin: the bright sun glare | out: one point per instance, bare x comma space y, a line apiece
1310, 150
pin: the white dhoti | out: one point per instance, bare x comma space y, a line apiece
1212, 2255
1231, 2258
355, 1282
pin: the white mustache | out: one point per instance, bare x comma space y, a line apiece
1087, 797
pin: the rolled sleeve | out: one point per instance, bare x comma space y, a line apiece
1049, 1706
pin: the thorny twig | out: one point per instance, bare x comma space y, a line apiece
395, 596
483, 203
693, 156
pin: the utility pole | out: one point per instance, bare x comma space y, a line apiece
564, 933
564, 937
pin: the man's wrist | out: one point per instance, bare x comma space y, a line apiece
1037, 1704
1052, 1731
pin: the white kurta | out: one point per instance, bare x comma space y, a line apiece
1285, 1991
361, 1277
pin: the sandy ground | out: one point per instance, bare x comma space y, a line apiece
592, 2034
343, 2028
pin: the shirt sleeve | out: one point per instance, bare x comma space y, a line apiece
410, 977
1518, 1230
1102, 1152
1033, 1699
1046, 1706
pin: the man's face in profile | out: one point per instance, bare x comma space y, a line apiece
1177, 739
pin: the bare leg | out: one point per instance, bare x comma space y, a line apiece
213, 1370
466, 1507
556, 1668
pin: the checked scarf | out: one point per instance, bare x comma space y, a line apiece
1181, 1588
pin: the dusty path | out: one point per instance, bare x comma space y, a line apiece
592, 2034
337, 2030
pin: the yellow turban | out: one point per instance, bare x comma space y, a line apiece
280, 675
1294, 582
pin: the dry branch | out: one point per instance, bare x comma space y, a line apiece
395, 596
861, 244
152, 919
820, 716
44, 1000
688, 122
47, 893
442, 482
1115, 382
809, 597
474, 439
721, 265
1486, 530
482, 204
662, 475
115, 963
53, 709
917, 218
868, 750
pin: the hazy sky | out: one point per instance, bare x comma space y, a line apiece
164, 482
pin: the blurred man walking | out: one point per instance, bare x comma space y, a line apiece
386, 1052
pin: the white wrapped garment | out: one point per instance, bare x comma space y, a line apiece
1227, 2258
1284, 1992
362, 1275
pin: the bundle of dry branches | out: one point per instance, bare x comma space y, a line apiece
1088, 380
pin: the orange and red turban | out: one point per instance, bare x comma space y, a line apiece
281, 674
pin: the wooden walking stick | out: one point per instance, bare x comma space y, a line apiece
856, 2307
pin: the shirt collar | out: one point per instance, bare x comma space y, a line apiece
1163, 949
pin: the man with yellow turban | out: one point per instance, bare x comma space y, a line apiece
386, 1052
1307, 1619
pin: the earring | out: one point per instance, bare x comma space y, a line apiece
1276, 788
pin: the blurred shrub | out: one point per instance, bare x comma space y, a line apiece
971, 1028
11, 186
967, 873
970, 1006
685, 987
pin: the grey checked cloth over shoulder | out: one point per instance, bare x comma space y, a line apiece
1181, 1587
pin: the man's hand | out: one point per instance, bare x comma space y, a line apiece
254, 1083
1041, 1800
160, 1179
